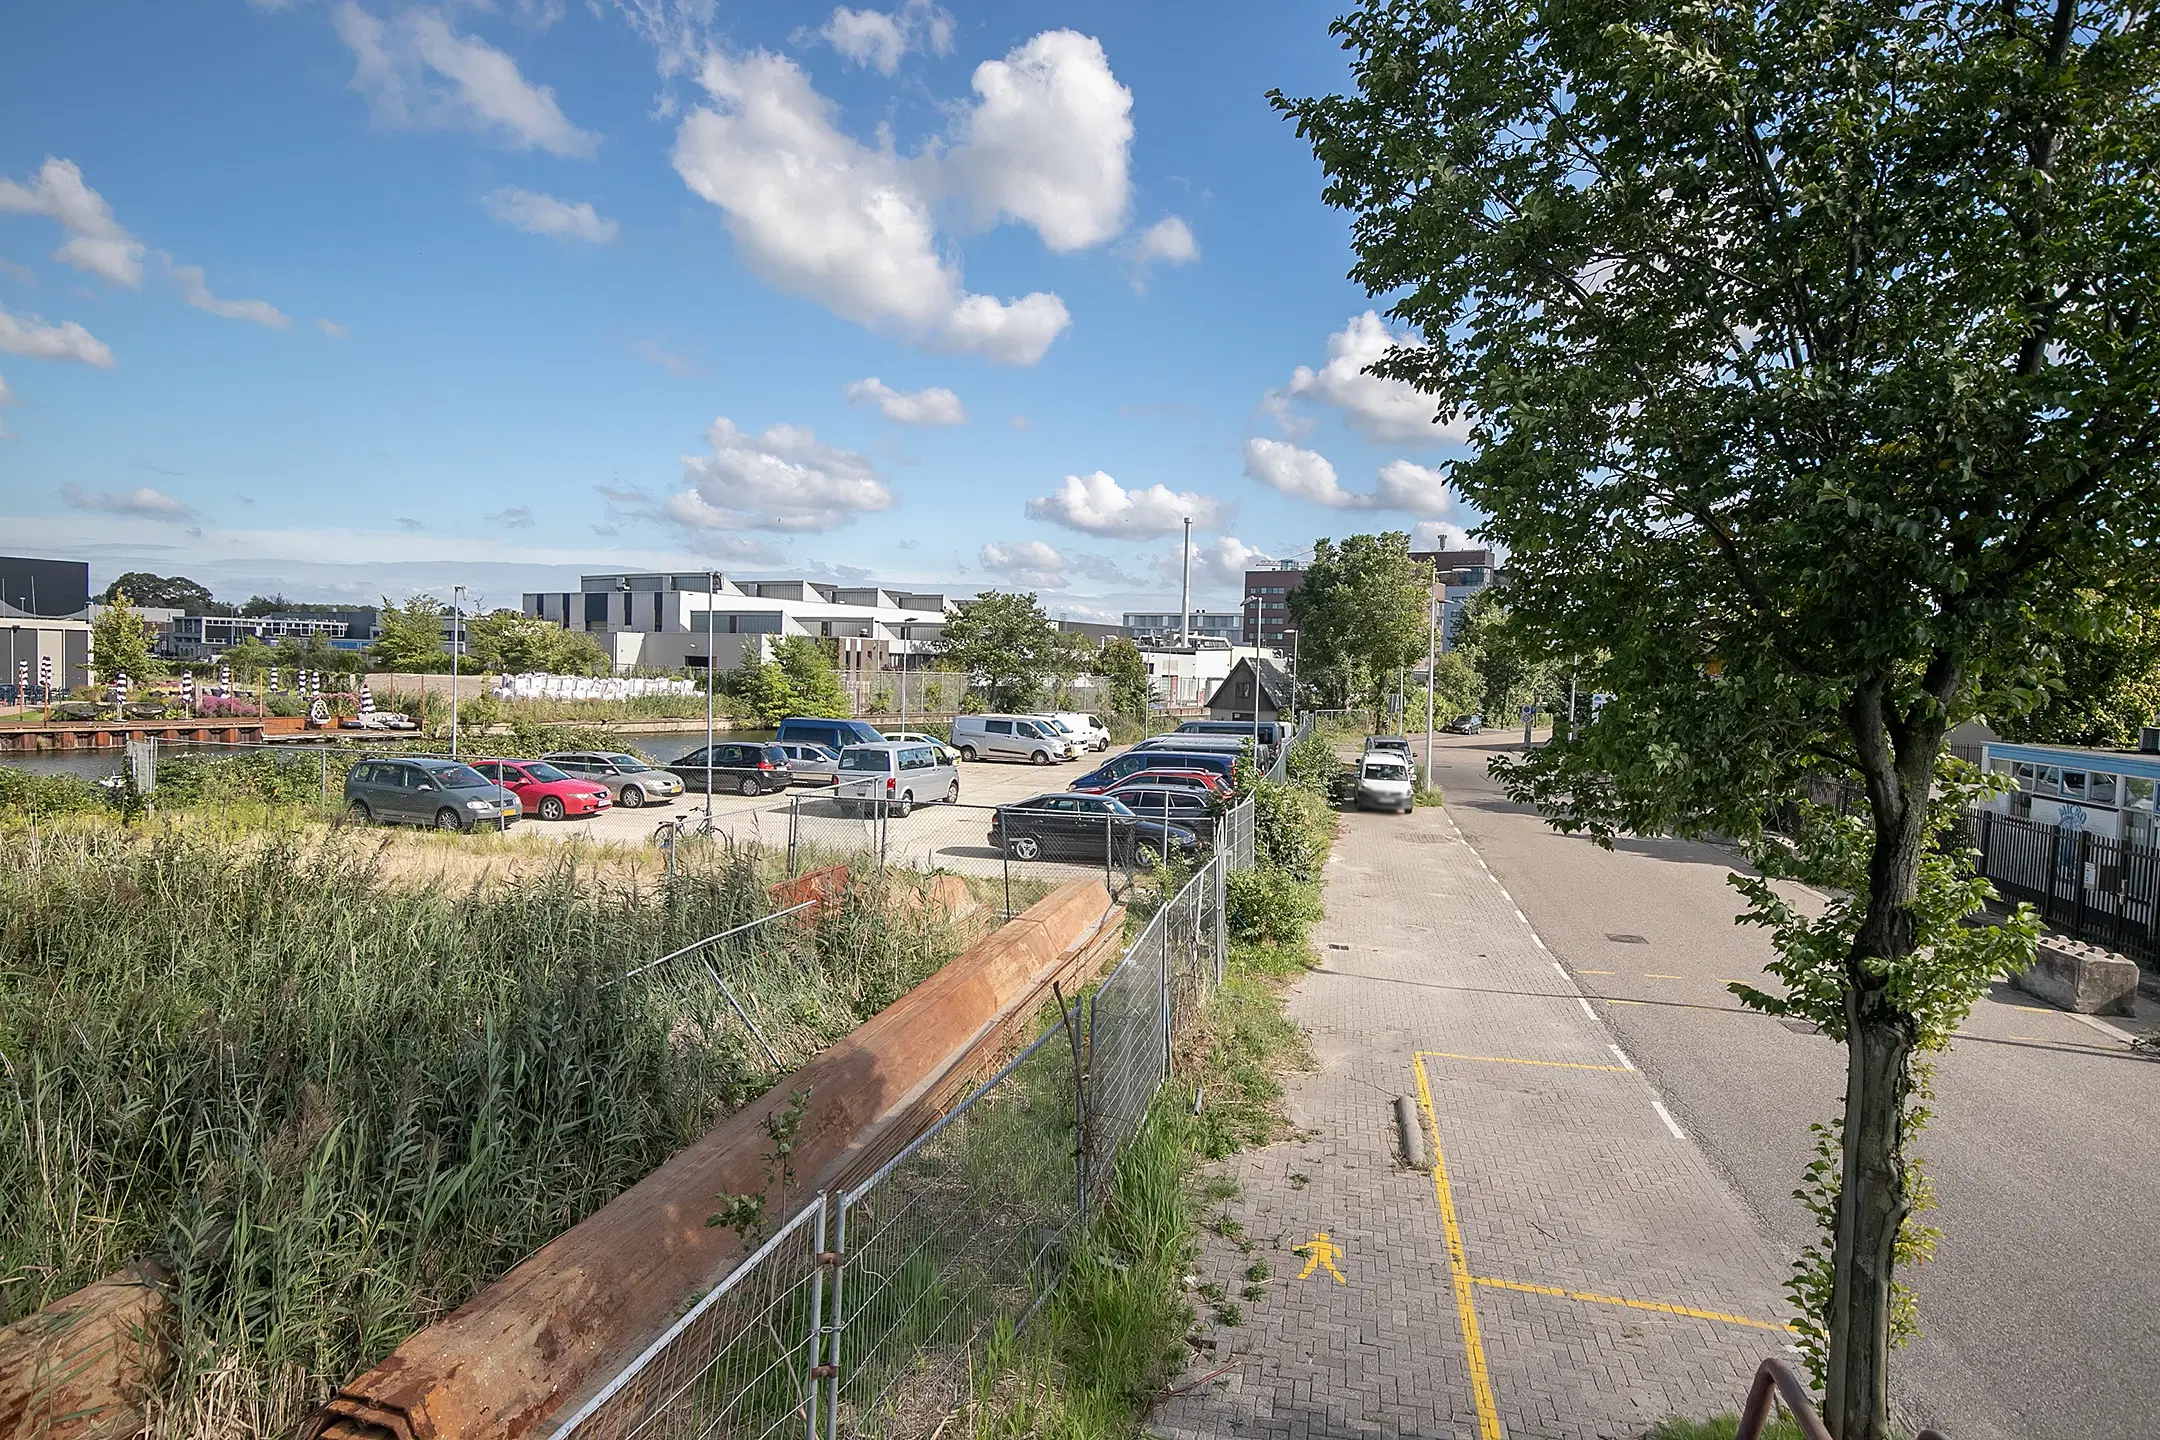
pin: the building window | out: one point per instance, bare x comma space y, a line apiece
596, 609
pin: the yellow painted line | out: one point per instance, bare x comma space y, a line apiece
1481, 1394
1510, 1060
1616, 1000
1597, 972
1653, 975
1657, 1305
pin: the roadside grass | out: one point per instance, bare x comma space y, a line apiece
1722, 1427
335, 1095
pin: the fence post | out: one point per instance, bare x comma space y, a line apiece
1162, 977
794, 835
1222, 919
1067, 1016
2084, 849
1005, 858
326, 775
817, 1327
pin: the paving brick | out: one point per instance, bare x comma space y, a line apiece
1563, 1178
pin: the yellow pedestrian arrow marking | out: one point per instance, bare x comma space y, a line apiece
1320, 1250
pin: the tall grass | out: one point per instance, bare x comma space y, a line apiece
336, 1103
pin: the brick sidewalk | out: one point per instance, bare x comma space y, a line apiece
1607, 1277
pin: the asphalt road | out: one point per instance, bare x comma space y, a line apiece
2038, 1314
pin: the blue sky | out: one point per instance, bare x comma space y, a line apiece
349, 297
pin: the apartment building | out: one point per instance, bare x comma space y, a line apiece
690, 621
1460, 574
1266, 611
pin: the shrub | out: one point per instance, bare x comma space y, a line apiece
36, 796
1270, 907
1291, 829
1311, 763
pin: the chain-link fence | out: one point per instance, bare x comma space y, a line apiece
964, 1231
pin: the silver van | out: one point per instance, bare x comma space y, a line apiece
899, 774
1011, 737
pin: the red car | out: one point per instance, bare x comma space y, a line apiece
1204, 780
545, 791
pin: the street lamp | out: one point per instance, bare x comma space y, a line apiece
457, 636
13, 631
712, 586
1435, 608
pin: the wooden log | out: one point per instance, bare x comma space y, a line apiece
79, 1369
528, 1348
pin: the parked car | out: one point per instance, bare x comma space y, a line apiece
631, 779
1089, 730
1010, 737
1229, 746
810, 764
1206, 782
1390, 744
834, 735
1384, 782
918, 737
747, 767
1132, 762
546, 791
425, 790
1270, 732
1086, 827
1465, 725
1193, 809
901, 775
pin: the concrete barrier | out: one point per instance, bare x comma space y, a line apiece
529, 1347
2080, 977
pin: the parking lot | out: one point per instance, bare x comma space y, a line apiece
952, 837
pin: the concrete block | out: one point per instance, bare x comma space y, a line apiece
2081, 978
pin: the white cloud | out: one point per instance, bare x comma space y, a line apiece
1308, 475
30, 335
7, 396
96, 241
1097, 505
417, 72
142, 502
197, 293
1385, 411
677, 365
1169, 241
1439, 535
332, 329
1219, 563
816, 213
538, 214
1025, 562
932, 406
515, 517
1048, 141
783, 479
877, 39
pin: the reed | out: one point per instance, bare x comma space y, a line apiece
336, 1101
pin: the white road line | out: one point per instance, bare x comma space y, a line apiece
1586, 1008
1666, 1115
1621, 1055
1519, 915
1556, 965
1539, 941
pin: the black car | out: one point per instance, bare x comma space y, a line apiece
1171, 804
1464, 725
748, 767
1090, 828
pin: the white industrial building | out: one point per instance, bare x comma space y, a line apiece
687, 621
1166, 626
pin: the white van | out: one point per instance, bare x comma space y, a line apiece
1088, 730
901, 775
1032, 738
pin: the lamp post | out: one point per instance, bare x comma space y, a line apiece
712, 586
1433, 612
457, 643
13, 631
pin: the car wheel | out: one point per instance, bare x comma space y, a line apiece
967, 753
448, 819
904, 806
748, 786
551, 808
952, 793
358, 813
1147, 854
632, 797
1024, 847
1040, 757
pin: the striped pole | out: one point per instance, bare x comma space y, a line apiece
224, 680
45, 668
273, 680
22, 684
120, 694
187, 691
367, 699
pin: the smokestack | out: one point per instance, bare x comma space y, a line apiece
1185, 594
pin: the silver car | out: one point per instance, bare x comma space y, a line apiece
631, 779
895, 776
812, 764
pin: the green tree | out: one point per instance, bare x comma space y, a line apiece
811, 679
120, 641
1362, 615
1121, 667
1009, 646
1810, 357
2106, 686
1511, 662
411, 640
250, 658
512, 642
163, 592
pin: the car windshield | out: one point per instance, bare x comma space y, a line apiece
865, 760
626, 762
1117, 807
1387, 772
544, 772
460, 777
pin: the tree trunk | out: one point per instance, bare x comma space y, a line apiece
1897, 755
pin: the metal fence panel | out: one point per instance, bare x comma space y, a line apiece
739, 1365
966, 1228
1127, 1050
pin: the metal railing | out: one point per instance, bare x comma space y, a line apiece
964, 1232
1777, 1381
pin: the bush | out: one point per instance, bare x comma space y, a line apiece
1312, 763
1270, 907
36, 796
1291, 829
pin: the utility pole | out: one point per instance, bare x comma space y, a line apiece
457, 643
1185, 593
1433, 611
712, 586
